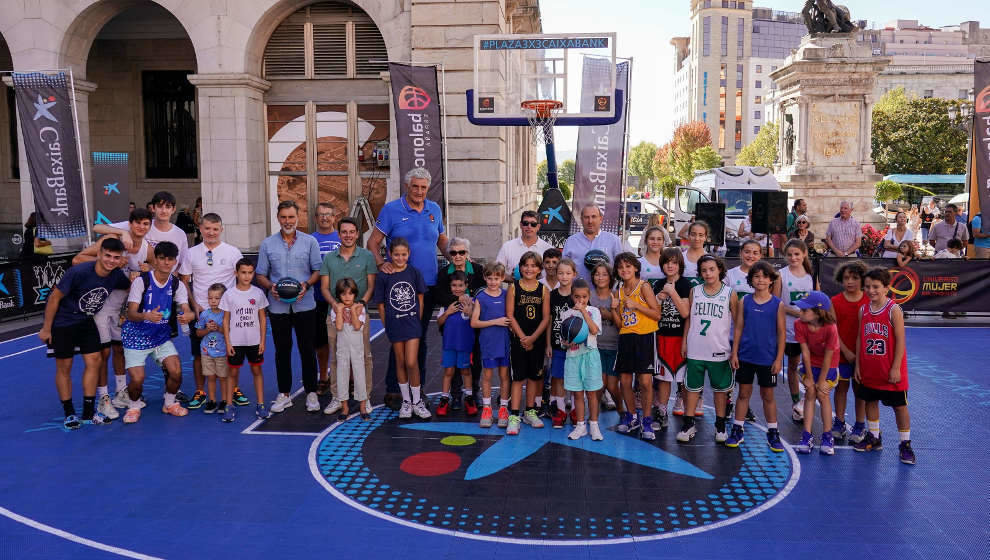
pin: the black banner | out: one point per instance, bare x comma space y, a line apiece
417, 124
109, 200
954, 285
555, 218
45, 110
598, 168
981, 138
25, 286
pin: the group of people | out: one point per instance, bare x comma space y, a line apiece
557, 329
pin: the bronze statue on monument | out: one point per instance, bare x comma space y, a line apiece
822, 16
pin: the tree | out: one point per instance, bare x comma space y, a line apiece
676, 158
912, 135
668, 186
661, 162
888, 190
762, 151
703, 159
641, 162
565, 174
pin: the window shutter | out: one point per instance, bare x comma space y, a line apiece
285, 53
369, 45
330, 49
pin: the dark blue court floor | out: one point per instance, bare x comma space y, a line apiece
301, 485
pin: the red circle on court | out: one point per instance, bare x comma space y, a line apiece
432, 463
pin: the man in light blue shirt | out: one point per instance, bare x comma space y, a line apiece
291, 254
329, 240
592, 237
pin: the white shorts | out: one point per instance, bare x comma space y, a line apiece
665, 374
137, 358
108, 318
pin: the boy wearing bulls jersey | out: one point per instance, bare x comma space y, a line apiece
881, 364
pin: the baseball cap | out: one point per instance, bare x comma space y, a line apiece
814, 300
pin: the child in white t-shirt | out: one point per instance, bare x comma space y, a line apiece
244, 326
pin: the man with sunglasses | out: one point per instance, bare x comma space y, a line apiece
528, 240
210, 262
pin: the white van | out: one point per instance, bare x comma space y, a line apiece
732, 185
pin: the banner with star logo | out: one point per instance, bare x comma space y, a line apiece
110, 188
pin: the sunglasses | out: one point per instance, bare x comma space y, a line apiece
209, 258
458, 253
529, 224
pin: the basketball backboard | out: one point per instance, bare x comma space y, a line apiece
576, 69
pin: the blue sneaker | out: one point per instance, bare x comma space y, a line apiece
228, 414
635, 424
806, 444
735, 437
828, 445
647, 431
71, 422
840, 430
627, 420
858, 432
262, 412
906, 453
773, 440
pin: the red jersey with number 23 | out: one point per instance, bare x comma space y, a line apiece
876, 350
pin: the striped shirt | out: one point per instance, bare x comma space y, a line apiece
844, 233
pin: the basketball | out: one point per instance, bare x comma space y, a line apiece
288, 289
595, 257
573, 330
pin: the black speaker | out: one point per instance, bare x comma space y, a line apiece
769, 212
713, 214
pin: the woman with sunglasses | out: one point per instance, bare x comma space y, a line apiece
528, 240
459, 257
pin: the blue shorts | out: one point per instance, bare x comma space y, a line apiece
557, 364
492, 363
832, 376
607, 358
456, 359
582, 370
846, 371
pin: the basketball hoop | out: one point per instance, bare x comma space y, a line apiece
542, 113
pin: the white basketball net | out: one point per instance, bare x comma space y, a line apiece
541, 119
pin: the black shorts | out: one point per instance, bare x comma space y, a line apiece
888, 398
763, 375
528, 364
637, 353
251, 352
792, 349
194, 341
81, 338
322, 339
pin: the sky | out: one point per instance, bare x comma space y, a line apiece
645, 27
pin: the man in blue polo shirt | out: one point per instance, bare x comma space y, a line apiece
591, 237
329, 240
420, 222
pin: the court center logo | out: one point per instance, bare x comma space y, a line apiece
455, 478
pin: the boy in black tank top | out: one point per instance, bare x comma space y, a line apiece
528, 309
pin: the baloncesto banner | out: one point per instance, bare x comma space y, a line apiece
417, 124
44, 107
600, 149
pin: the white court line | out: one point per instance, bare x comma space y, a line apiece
72, 537
18, 338
4, 357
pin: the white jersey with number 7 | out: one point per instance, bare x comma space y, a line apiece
708, 336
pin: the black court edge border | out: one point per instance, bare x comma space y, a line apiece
314, 469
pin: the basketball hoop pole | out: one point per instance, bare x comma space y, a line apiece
551, 157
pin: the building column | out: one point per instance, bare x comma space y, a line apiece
232, 151
866, 133
802, 138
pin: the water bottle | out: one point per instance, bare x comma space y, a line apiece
183, 327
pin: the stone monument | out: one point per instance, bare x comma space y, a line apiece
824, 105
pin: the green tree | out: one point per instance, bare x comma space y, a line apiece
641, 162
565, 174
541, 175
912, 135
762, 151
888, 190
668, 186
703, 159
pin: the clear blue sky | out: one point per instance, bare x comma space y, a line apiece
645, 28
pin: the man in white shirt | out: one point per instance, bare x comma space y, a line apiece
592, 237
210, 262
513, 249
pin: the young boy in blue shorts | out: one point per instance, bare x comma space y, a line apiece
489, 316
458, 341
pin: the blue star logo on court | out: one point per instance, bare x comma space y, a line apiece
111, 188
510, 450
553, 213
43, 108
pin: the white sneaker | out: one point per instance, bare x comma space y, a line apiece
608, 400
312, 402
106, 408
421, 411
595, 431
281, 403
578, 432
678, 406
406, 410
334, 406
797, 411
687, 434
120, 399
720, 437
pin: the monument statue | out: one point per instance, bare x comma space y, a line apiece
822, 16
788, 139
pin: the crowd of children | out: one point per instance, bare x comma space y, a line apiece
643, 340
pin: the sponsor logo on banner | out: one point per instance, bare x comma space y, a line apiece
982, 102
904, 284
43, 108
11, 293
486, 104
413, 98
46, 277
110, 187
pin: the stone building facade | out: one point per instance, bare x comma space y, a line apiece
248, 102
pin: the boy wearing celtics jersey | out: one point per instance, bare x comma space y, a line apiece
707, 345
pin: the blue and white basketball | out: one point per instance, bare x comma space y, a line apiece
573, 330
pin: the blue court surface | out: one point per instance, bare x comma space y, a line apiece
303, 484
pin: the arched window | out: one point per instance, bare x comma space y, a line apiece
325, 40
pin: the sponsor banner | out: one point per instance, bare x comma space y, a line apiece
938, 285
45, 110
555, 218
26, 285
981, 137
598, 166
417, 124
109, 200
